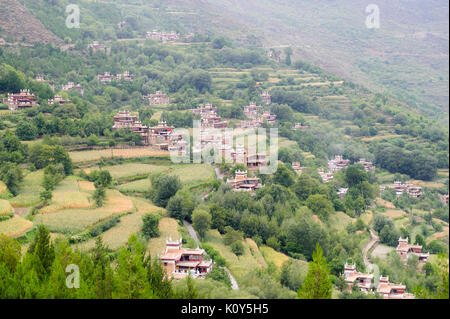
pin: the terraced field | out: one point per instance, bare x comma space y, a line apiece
95, 155
239, 266
76, 220
168, 228
15, 227
30, 189
118, 236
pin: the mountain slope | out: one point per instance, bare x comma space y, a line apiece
20, 25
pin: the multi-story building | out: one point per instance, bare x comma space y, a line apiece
22, 100
352, 277
405, 250
392, 291
411, 189
107, 77
256, 161
163, 36
125, 76
71, 86
181, 262
326, 176
98, 47
252, 110
297, 167
368, 166
242, 182
58, 99
342, 192
337, 164
158, 98
124, 120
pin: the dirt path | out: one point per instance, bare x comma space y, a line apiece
193, 233
373, 241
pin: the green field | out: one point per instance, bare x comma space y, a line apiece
30, 190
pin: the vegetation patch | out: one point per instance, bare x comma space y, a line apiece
30, 189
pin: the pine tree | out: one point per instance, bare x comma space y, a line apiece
317, 284
43, 252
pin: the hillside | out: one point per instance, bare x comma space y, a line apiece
19, 25
407, 58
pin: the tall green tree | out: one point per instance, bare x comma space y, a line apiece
317, 284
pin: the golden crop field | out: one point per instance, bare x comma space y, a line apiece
30, 189
95, 155
76, 220
86, 186
67, 195
15, 227
5, 207
168, 228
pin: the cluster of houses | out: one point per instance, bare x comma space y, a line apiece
364, 282
256, 117
108, 77
159, 98
22, 100
160, 136
400, 188
209, 117
339, 163
180, 262
156, 35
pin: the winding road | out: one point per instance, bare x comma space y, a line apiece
193, 233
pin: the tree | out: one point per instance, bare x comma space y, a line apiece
237, 248
99, 196
163, 188
11, 175
150, 227
317, 284
201, 222
26, 131
283, 176
46, 196
320, 205
43, 252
